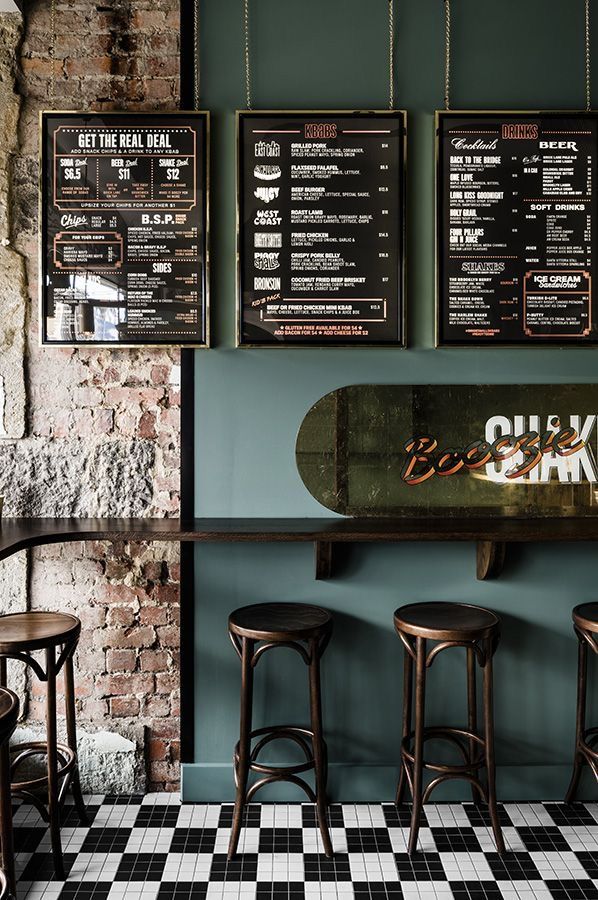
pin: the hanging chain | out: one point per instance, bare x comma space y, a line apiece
391, 54
247, 66
588, 61
196, 41
52, 54
447, 54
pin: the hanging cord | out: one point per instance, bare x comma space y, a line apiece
447, 54
52, 54
247, 66
196, 41
588, 61
391, 54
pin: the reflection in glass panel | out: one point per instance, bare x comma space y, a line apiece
91, 308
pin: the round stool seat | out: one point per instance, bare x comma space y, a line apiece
279, 621
9, 713
440, 621
37, 630
585, 616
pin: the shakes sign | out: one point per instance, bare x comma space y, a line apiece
474, 449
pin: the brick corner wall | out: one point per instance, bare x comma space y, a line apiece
100, 430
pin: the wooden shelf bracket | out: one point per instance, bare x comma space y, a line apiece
323, 559
490, 559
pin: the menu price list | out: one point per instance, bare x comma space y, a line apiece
124, 223
516, 219
320, 239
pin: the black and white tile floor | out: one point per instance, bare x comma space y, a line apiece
153, 848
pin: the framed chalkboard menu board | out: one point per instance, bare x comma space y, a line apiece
124, 221
516, 225
320, 228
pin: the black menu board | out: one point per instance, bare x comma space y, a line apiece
320, 219
123, 228
516, 219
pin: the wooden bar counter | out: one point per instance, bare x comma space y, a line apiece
491, 535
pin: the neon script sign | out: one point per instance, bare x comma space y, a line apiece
512, 450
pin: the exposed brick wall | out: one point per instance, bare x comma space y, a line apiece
119, 410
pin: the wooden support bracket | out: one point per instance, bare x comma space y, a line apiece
490, 559
323, 559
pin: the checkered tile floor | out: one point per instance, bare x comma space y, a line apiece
152, 848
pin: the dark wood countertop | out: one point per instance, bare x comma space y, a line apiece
19, 534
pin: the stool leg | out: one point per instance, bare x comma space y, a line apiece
71, 732
242, 768
418, 751
6, 838
53, 804
406, 729
6, 835
315, 702
489, 746
582, 681
472, 715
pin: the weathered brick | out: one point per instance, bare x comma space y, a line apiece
168, 635
153, 615
142, 636
120, 660
166, 683
120, 685
154, 660
120, 615
166, 593
94, 709
124, 706
167, 728
153, 569
158, 749
156, 707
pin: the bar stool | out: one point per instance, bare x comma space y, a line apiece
21, 634
585, 624
9, 713
306, 629
448, 625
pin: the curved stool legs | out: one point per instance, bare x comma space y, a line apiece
583, 752
6, 838
242, 763
311, 741
62, 770
477, 752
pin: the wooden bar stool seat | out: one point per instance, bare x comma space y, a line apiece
447, 625
254, 630
56, 635
585, 624
9, 713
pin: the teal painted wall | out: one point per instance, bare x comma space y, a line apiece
250, 404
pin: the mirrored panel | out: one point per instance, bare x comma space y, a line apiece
466, 450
